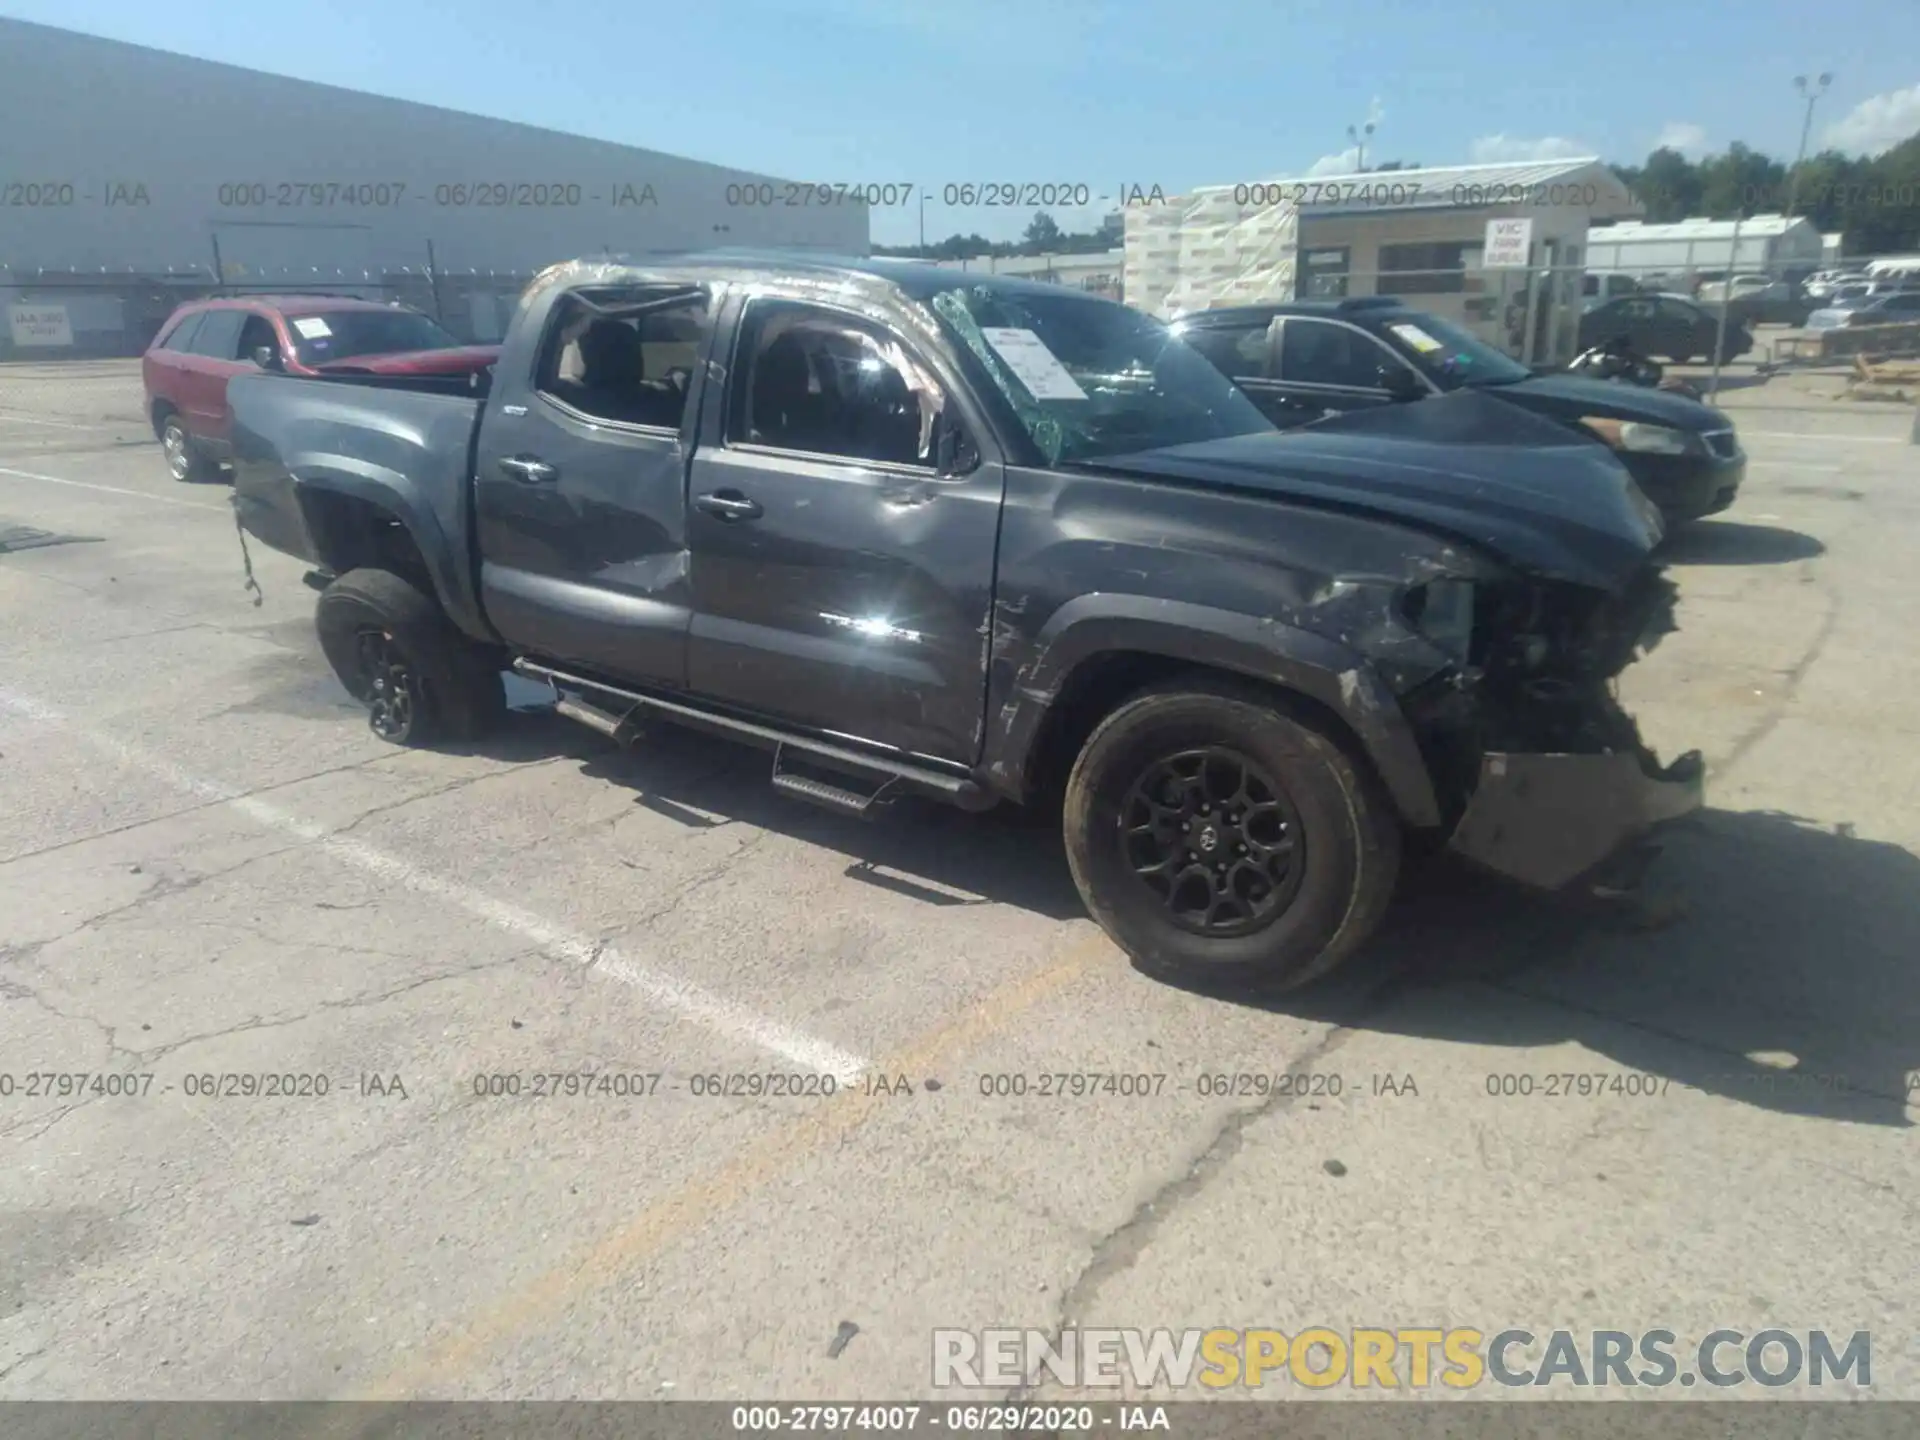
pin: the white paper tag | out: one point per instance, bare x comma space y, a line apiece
1417, 338
1033, 364
312, 326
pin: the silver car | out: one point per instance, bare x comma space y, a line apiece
1886, 308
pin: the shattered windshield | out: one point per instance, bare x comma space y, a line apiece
1454, 358
1089, 378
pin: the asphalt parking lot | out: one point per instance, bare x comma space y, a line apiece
210, 867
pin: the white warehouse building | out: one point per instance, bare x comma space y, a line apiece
1684, 247
136, 178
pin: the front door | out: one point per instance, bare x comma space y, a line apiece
580, 482
842, 523
1328, 367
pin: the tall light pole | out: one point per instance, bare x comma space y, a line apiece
1811, 94
1359, 135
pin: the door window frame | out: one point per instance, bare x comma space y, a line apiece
562, 313
1278, 342
738, 374
1269, 354
240, 313
179, 336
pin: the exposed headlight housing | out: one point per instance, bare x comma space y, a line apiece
1640, 438
1442, 612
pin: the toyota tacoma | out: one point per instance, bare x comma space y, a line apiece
923, 532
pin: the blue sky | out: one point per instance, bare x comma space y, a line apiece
1174, 93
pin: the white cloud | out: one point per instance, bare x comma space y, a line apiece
1682, 135
1876, 124
1341, 164
1493, 149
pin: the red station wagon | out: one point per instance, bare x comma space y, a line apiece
207, 342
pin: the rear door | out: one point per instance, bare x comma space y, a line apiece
580, 480
212, 359
1632, 318
164, 367
1683, 332
843, 575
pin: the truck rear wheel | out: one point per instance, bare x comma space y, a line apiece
1221, 842
394, 649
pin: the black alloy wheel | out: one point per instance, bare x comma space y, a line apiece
396, 652
1223, 840
1215, 839
388, 686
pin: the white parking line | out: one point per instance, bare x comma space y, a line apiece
666, 991
65, 424
109, 489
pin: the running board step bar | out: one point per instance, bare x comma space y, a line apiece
830, 796
891, 774
620, 729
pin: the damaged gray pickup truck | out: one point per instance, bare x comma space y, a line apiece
923, 532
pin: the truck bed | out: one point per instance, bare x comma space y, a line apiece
392, 441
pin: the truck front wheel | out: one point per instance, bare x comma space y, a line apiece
1221, 842
394, 649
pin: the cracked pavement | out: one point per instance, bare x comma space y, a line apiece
210, 869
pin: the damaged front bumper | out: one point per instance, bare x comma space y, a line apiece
1550, 820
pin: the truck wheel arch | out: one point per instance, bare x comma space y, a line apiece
355, 522
1084, 662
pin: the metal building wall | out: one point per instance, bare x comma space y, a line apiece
118, 158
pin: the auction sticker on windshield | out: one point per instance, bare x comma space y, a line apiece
1417, 338
312, 327
1033, 364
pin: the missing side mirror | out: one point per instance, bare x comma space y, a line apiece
953, 452
1401, 383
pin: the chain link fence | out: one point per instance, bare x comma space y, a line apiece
52, 314
1541, 316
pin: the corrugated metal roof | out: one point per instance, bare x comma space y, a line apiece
1632, 231
1440, 187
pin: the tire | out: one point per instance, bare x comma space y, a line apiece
1679, 359
1322, 902
184, 460
396, 652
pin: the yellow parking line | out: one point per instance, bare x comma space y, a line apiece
697, 1202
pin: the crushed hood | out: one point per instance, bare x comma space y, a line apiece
1466, 465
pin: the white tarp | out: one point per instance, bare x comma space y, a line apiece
1206, 250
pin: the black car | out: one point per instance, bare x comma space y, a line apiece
1667, 327
973, 539
1307, 359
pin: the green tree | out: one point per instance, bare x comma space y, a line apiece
1668, 185
1741, 182
1043, 234
1882, 213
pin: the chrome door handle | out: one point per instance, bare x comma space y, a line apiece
528, 470
729, 505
